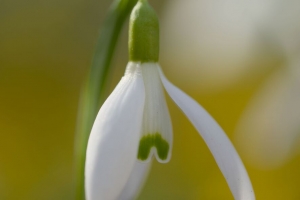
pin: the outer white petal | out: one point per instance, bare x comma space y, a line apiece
113, 143
136, 181
217, 141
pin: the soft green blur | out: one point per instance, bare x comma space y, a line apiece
46, 49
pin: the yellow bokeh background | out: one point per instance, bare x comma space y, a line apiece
45, 52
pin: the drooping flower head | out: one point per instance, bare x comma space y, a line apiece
134, 124
156, 134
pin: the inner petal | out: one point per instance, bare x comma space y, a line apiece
157, 136
147, 142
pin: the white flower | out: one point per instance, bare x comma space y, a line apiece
134, 123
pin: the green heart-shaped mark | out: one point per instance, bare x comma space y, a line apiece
153, 140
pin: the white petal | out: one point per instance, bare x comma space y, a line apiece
157, 133
217, 141
136, 181
113, 143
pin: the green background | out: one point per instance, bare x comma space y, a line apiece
45, 53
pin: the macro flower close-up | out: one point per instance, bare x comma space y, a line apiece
149, 100
134, 122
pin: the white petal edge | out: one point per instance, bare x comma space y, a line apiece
113, 143
217, 141
136, 181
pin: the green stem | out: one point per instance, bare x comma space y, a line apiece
92, 95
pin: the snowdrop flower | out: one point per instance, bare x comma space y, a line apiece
134, 124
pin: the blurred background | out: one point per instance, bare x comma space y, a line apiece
239, 59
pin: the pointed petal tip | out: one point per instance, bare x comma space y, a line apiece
217, 141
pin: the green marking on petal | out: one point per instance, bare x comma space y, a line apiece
153, 140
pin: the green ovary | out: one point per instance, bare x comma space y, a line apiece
153, 140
